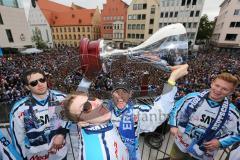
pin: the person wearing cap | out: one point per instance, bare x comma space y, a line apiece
99, 137
132, 119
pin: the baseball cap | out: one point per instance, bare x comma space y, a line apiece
121, 84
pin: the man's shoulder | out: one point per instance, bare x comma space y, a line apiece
19, 103
58, 93
234, 109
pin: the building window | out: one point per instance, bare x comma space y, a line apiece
69, 29
176, 14
129, 17
235, 24
88, 29
184, 24
133, 36
9, 35
135, 6
61, 36
65, 30
137, 36
144, 5
166, 14
160, 25
237, 12
134, 26
232, 24
129, 35
78, 29
74, 29
140, 6
183, 2
143, 16
197, 13
138, 26
150, 31
142, 36
66, 36
194, 2
191, 13
171, 14
1, 21
47, 35
231, 37
162, 14
188, 2
195, 25
189, 25
152, 10
83, 29
56, 29
139, 16
142, 26
151, 21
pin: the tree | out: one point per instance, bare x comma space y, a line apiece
37, 39
205, 28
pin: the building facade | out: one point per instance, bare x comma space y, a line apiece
142, 21
70, 24
14, 29
37, 22
187, 12
226, 33
113, 18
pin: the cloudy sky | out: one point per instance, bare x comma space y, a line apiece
211, 8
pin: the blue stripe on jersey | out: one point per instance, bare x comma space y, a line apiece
225, 142
105, 146
10, 149
92, 146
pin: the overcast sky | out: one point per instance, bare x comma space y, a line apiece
211, 7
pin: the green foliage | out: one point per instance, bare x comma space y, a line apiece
37, 39
205, 29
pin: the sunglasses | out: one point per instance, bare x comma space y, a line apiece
87, 107
34, 83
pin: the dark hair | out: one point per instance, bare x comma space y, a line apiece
29, 72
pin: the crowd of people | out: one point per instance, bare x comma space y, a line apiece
62, 68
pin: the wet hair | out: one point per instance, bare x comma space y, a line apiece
68, 102
228, 77
29, 72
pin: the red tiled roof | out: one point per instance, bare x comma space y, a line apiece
60, 15
74, 17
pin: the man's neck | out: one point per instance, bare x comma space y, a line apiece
40, 97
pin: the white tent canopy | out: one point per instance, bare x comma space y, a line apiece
31, 50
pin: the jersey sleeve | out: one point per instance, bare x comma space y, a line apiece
179, 112
152, 116
232, 127
17, 129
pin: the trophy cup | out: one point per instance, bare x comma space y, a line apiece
166, 47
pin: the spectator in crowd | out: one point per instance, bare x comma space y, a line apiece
100, 139
204, 122
36, 129
132, 119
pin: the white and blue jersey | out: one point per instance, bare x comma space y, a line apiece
34, 123
146, 118
7, 150
102, 142
194, 126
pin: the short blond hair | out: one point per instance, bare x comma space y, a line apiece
228, 77
68, 102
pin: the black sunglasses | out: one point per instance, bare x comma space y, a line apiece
87, 106
35, 82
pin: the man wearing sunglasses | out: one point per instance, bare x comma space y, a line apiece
99, 138
132, 119
36, 129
